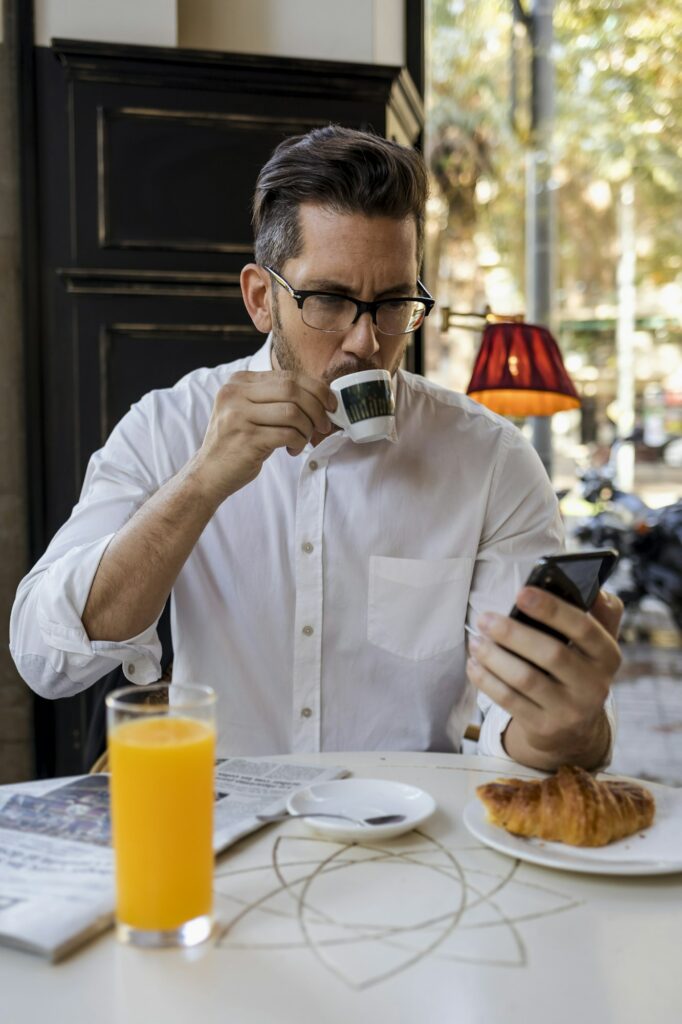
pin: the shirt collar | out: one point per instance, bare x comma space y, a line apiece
261, 361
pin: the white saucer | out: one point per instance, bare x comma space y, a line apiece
361, 798
655, 851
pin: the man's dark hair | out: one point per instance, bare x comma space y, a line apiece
343, 170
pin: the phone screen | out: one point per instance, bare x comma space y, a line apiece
576, 578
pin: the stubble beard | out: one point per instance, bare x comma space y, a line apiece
284, 353
287, 357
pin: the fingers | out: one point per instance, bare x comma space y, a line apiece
543, 651
281, 437
554, 691
253, 414
273, 409
535, 685
506, 696
286, 415
583, 629
312, 396
608, 610
286, 384
321, 391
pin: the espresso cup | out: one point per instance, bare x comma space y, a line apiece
366, 407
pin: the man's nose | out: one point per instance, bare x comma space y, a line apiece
361, 339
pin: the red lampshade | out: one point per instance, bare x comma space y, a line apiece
519, 372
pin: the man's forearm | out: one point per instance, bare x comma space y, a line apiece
140, 565
587, 751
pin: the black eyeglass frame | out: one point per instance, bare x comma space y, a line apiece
361, 307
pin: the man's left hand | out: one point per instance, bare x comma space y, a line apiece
557, 702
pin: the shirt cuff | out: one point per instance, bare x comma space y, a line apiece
497, 719
494, 723
140, 657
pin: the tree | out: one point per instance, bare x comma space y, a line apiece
618, 88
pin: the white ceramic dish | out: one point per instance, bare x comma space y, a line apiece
361, 798
655, 851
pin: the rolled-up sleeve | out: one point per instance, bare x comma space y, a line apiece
522, 523
48, 642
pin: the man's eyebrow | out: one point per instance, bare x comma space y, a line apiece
324, 284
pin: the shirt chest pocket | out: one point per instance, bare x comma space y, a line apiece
416, 608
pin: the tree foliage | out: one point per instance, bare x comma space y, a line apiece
618, 97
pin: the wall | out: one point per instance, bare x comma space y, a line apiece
16, 750
150, 22
368, 31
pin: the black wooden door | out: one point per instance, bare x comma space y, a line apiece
145, 164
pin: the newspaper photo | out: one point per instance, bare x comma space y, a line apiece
56, 860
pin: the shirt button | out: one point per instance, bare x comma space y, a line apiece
307, 547
306, 712
131, 670
312, 464
307, 630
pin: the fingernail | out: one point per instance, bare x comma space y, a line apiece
529, 599
487, 621
474, 644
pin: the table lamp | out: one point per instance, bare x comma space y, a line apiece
518, 370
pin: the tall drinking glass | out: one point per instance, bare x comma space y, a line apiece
161, 742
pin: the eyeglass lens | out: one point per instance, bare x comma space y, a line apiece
335, 313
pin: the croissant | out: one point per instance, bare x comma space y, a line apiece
569, 807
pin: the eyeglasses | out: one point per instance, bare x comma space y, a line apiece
326, 311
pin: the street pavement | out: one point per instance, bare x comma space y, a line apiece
648, 697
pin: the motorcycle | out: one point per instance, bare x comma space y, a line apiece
648, 540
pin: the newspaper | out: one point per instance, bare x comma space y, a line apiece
56, 861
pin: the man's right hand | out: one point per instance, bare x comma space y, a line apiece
253, 414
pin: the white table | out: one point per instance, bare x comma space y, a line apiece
430, 927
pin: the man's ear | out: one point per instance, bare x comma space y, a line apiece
255, 285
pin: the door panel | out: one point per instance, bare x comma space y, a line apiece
146, 162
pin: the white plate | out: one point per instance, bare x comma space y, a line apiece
361, 798
655, 851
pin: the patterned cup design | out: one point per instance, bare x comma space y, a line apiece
368, 399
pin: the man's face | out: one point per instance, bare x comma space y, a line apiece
366, 258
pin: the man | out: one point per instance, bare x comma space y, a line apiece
321, 586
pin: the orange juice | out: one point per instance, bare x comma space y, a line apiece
162, 819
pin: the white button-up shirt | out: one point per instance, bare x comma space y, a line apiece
326, 600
